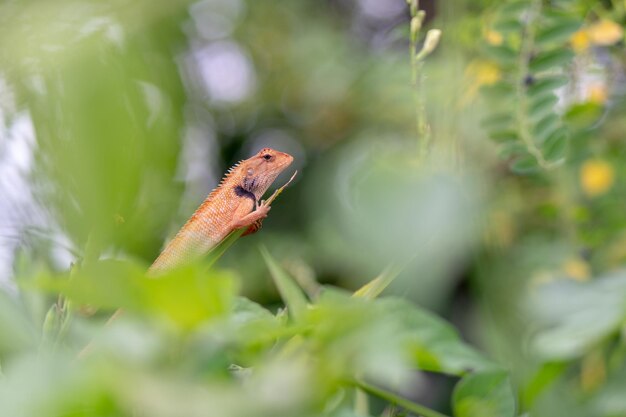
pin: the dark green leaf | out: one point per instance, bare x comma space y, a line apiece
559, 31
543, 85
551, 59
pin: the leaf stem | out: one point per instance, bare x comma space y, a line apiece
396, 399
528, 43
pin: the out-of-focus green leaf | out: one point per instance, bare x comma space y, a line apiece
512, 149
557, 31
574, 316
498, 90
545, 127
186, 296
292, 294
555, 146
376, 286
546, 85
550, 59
508, 25
584, 115
433, 344
541, 107
487, 394
17, 332
504, 136
525, 165
501, 53
498, 122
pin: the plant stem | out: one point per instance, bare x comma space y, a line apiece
528, 43
395, 399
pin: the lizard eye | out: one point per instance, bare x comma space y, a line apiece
267, 157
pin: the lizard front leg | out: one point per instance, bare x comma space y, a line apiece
253, 219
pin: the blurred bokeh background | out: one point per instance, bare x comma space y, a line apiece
118, 118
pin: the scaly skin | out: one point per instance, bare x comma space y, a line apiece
233, 205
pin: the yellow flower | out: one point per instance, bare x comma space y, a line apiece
597, 94
580, 41
596, 177
493, 38
605, 32
577, 269
477, 74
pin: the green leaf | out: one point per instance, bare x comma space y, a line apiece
376, 286
558, 31
525, 165
487, 394
571, 317
498, 122
501, 53
584, 115
542, 106
513, 8
499, 90
508, 25
186, 296
291, 293
511, 149
555, 147
551, 59
504, 136
542, 85
545, 127
434, 344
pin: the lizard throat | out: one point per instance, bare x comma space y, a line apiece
242, 192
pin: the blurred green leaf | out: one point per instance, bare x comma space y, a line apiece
584, 115
17, 332
541, 107
575, 316
546, 84
433, 344
550, 59
557, 31
487, 394
187, 296
292, 294
525, 165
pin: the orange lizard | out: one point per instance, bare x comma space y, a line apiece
234, 204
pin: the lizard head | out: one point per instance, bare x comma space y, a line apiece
260, 171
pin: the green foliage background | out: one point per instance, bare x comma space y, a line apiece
469, 266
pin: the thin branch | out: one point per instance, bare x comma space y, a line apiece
393, 398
